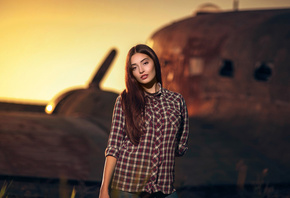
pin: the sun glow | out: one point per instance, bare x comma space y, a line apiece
49, 108
48, 46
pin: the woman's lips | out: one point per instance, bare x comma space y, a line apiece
143, 77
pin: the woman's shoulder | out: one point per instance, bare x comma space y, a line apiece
121, 95
118, 102
118, 99
172, 95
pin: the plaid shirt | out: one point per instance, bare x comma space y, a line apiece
149, 166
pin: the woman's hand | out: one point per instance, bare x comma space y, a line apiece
104, 193
107, 176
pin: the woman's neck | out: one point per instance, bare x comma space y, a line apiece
151, 88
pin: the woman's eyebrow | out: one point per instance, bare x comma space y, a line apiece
133, 64
143, 60
140, 62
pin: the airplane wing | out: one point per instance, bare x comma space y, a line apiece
46, 146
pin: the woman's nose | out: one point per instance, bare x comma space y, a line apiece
141, 70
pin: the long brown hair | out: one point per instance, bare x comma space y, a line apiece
133, 100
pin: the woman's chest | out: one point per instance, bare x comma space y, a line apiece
162, 115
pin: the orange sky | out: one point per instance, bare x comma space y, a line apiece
49, 46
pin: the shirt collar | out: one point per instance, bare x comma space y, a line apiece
158, 93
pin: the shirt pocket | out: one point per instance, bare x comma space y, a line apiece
173, 119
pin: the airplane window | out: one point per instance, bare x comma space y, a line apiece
170, 76
164, 62
196, 66
227, 69
263, 73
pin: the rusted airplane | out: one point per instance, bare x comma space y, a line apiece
233, 70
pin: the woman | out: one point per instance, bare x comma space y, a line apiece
149, 128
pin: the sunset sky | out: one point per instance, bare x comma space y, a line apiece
51, 45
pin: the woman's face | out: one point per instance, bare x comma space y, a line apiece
143, 69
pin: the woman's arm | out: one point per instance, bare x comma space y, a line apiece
184, 131
112, 151
109, 168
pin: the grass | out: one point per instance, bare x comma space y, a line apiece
73, 193
4, 189
258, 189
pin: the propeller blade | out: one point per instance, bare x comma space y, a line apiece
95, 82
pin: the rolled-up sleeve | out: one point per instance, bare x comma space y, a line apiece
117, 132
183, 131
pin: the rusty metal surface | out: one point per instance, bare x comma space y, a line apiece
40, 145
246, 38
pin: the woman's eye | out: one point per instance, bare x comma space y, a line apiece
145, 63
133, 68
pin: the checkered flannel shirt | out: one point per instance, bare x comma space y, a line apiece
149, 166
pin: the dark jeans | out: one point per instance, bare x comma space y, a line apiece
122, 194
